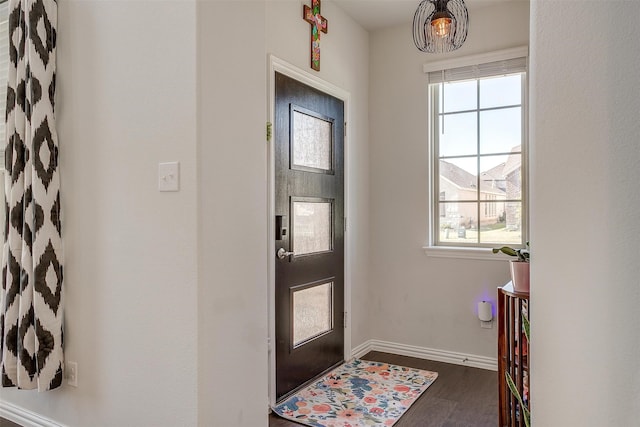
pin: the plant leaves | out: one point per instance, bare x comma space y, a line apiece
516, 393
525, 325
506, 250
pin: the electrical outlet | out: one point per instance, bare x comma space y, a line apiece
71, 373
486, 325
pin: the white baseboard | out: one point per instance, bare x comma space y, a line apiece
452, 357
361, 350
27, 418
24, 417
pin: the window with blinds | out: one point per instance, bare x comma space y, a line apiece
478, 71
479, 155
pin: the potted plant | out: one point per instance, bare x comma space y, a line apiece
519, 266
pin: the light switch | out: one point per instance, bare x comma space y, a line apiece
169, 176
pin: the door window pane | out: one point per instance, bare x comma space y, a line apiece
312, 312
312, 231
312, 142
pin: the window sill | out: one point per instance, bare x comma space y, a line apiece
464, 253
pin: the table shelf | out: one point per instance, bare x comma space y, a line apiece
511, 339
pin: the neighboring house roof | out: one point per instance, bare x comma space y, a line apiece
495, 173
495, 177
504, 169
465, 180
513, 162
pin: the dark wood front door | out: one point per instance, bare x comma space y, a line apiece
309, 241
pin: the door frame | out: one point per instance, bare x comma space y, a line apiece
276, 64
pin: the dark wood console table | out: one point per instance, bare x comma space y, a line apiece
513, 354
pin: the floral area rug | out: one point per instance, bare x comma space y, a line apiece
357, 394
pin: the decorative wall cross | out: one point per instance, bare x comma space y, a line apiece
318, 23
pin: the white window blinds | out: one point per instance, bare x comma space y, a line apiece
4, 68
508, 66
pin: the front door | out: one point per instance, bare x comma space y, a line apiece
309, 241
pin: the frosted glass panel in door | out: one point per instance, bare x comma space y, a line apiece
312, 312
312, 227
312, 137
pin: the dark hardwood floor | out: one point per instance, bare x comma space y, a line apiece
7, 423
460, 397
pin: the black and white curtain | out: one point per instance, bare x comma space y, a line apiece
31, 296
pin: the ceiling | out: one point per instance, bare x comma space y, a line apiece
376, 14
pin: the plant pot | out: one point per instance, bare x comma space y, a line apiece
520, 275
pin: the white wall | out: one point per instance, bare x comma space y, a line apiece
344, 63
167, 292
585, 273
420, 300
232, 159
126, 101
232, 227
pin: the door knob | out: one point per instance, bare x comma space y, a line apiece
282, 254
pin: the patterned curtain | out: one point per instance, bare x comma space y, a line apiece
30, 300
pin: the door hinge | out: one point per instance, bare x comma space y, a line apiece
345, 128
345, 224
269, 131
345, 319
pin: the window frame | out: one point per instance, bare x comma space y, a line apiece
475, 250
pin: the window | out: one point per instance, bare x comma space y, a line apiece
478, 146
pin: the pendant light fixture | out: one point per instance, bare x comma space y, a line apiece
440, 25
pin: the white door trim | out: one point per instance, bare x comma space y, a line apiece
283, 67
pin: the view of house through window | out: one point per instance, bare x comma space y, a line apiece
478, 137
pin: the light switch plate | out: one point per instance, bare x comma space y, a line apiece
169, 176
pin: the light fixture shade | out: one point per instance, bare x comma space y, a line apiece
430, 35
